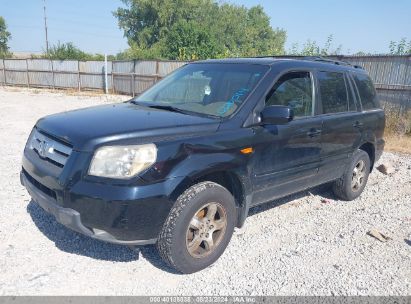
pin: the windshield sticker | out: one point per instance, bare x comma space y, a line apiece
228, 105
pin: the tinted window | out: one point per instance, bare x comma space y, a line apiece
333, 92
367, 91
213, 89
293, 90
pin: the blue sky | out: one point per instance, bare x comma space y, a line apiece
355, 24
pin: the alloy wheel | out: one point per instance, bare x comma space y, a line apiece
358, 176
206, 230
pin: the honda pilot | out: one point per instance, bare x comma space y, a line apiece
181, 165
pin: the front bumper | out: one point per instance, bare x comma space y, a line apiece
71, 218
131, 213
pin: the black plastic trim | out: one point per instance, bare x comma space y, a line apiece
71, 218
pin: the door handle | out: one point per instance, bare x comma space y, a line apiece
314, 132
357, 124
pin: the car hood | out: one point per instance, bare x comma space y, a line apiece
126, 122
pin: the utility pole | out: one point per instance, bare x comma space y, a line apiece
45, 27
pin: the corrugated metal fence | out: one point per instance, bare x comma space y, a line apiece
124, 77
391, 74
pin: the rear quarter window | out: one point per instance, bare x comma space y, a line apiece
367, 92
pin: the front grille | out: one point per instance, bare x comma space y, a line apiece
49, 148
40, 186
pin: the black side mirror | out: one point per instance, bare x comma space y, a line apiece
276, 115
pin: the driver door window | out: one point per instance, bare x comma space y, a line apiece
294, 90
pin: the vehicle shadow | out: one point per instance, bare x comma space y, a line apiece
323, 191
150, 253
72, 242
75, 243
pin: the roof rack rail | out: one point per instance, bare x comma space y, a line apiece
338, 62
318, 58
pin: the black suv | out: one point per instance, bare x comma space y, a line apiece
181, 165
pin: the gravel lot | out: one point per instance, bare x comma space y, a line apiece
298, 245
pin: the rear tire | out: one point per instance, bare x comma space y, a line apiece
198, 228
352, 183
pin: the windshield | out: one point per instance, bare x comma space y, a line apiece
205, 88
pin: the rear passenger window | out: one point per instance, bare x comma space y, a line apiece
367, 92
333, 92
295, 91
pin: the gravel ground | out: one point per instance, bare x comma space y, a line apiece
298, 245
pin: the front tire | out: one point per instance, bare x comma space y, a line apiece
198, 228
352, 183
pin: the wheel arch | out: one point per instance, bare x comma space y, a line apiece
369, 148
235, 183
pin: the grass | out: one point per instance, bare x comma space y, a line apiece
398, 143
397, 129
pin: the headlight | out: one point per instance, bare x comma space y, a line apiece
122, 161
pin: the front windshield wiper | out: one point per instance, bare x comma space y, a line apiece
156, 106
168, 108
172, 109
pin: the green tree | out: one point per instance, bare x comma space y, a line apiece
261, 39
400, 48
189, 41
177, 29
134, 51
5, 36
311, 48
67, 51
